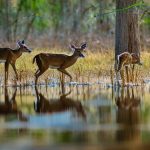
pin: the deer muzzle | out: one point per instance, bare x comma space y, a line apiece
29, 50
81, 55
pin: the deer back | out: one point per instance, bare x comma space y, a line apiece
53, 60
5, 53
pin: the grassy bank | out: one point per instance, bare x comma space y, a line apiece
92, 67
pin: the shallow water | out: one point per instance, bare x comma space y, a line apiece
71, 117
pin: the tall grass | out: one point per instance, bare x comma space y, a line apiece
94, 66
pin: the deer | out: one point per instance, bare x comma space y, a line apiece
10, 107
128, 105
62, 104
57, 61
128, 114
9, 56
126, 59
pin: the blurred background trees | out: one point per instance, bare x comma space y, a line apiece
59, 22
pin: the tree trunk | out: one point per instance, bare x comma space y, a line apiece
5, 17
103, 21
17, 18
29, 25
127, 28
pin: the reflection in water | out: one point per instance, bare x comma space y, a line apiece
128, 114
44, 105
51, 119
10, 105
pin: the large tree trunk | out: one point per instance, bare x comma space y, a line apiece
127, 35
127, 28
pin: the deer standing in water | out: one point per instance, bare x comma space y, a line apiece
10, 106
62, 104
9, 56
126, 59
128, 114
57, 61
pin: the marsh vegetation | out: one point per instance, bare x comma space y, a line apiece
91, 111
80, 114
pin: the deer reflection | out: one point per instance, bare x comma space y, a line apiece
45, 105
10, 105
128, 115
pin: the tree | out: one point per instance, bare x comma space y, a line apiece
127, 30
127, 27
5, 18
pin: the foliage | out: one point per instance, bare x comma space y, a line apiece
60, 18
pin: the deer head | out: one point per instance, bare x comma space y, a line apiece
136, 59
23, 46
78, 50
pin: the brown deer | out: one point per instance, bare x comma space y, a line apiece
128, 114
126, 59
44, 105
10, 107
57, 61
9, 56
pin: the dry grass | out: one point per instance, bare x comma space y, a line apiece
93, 66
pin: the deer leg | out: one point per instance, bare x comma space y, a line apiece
62, 85
65, 72
62, 77
6, 72
39, 73
117, 76
14, 68
127, 73
122, 76
132, 72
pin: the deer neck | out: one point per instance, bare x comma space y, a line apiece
74, 56
70, 61
18, 52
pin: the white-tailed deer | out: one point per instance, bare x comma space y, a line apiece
10, 107
57, 61
128, 105
126, 59
62, 104
9, 56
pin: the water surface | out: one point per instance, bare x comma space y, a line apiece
79, 116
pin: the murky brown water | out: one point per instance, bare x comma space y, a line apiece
76, 117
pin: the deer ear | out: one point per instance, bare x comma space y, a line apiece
83, 46
19, 43
22, 42
72, 47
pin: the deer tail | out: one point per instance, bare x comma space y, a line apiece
38, 61
34, 59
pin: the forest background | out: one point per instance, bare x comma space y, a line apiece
51, 25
